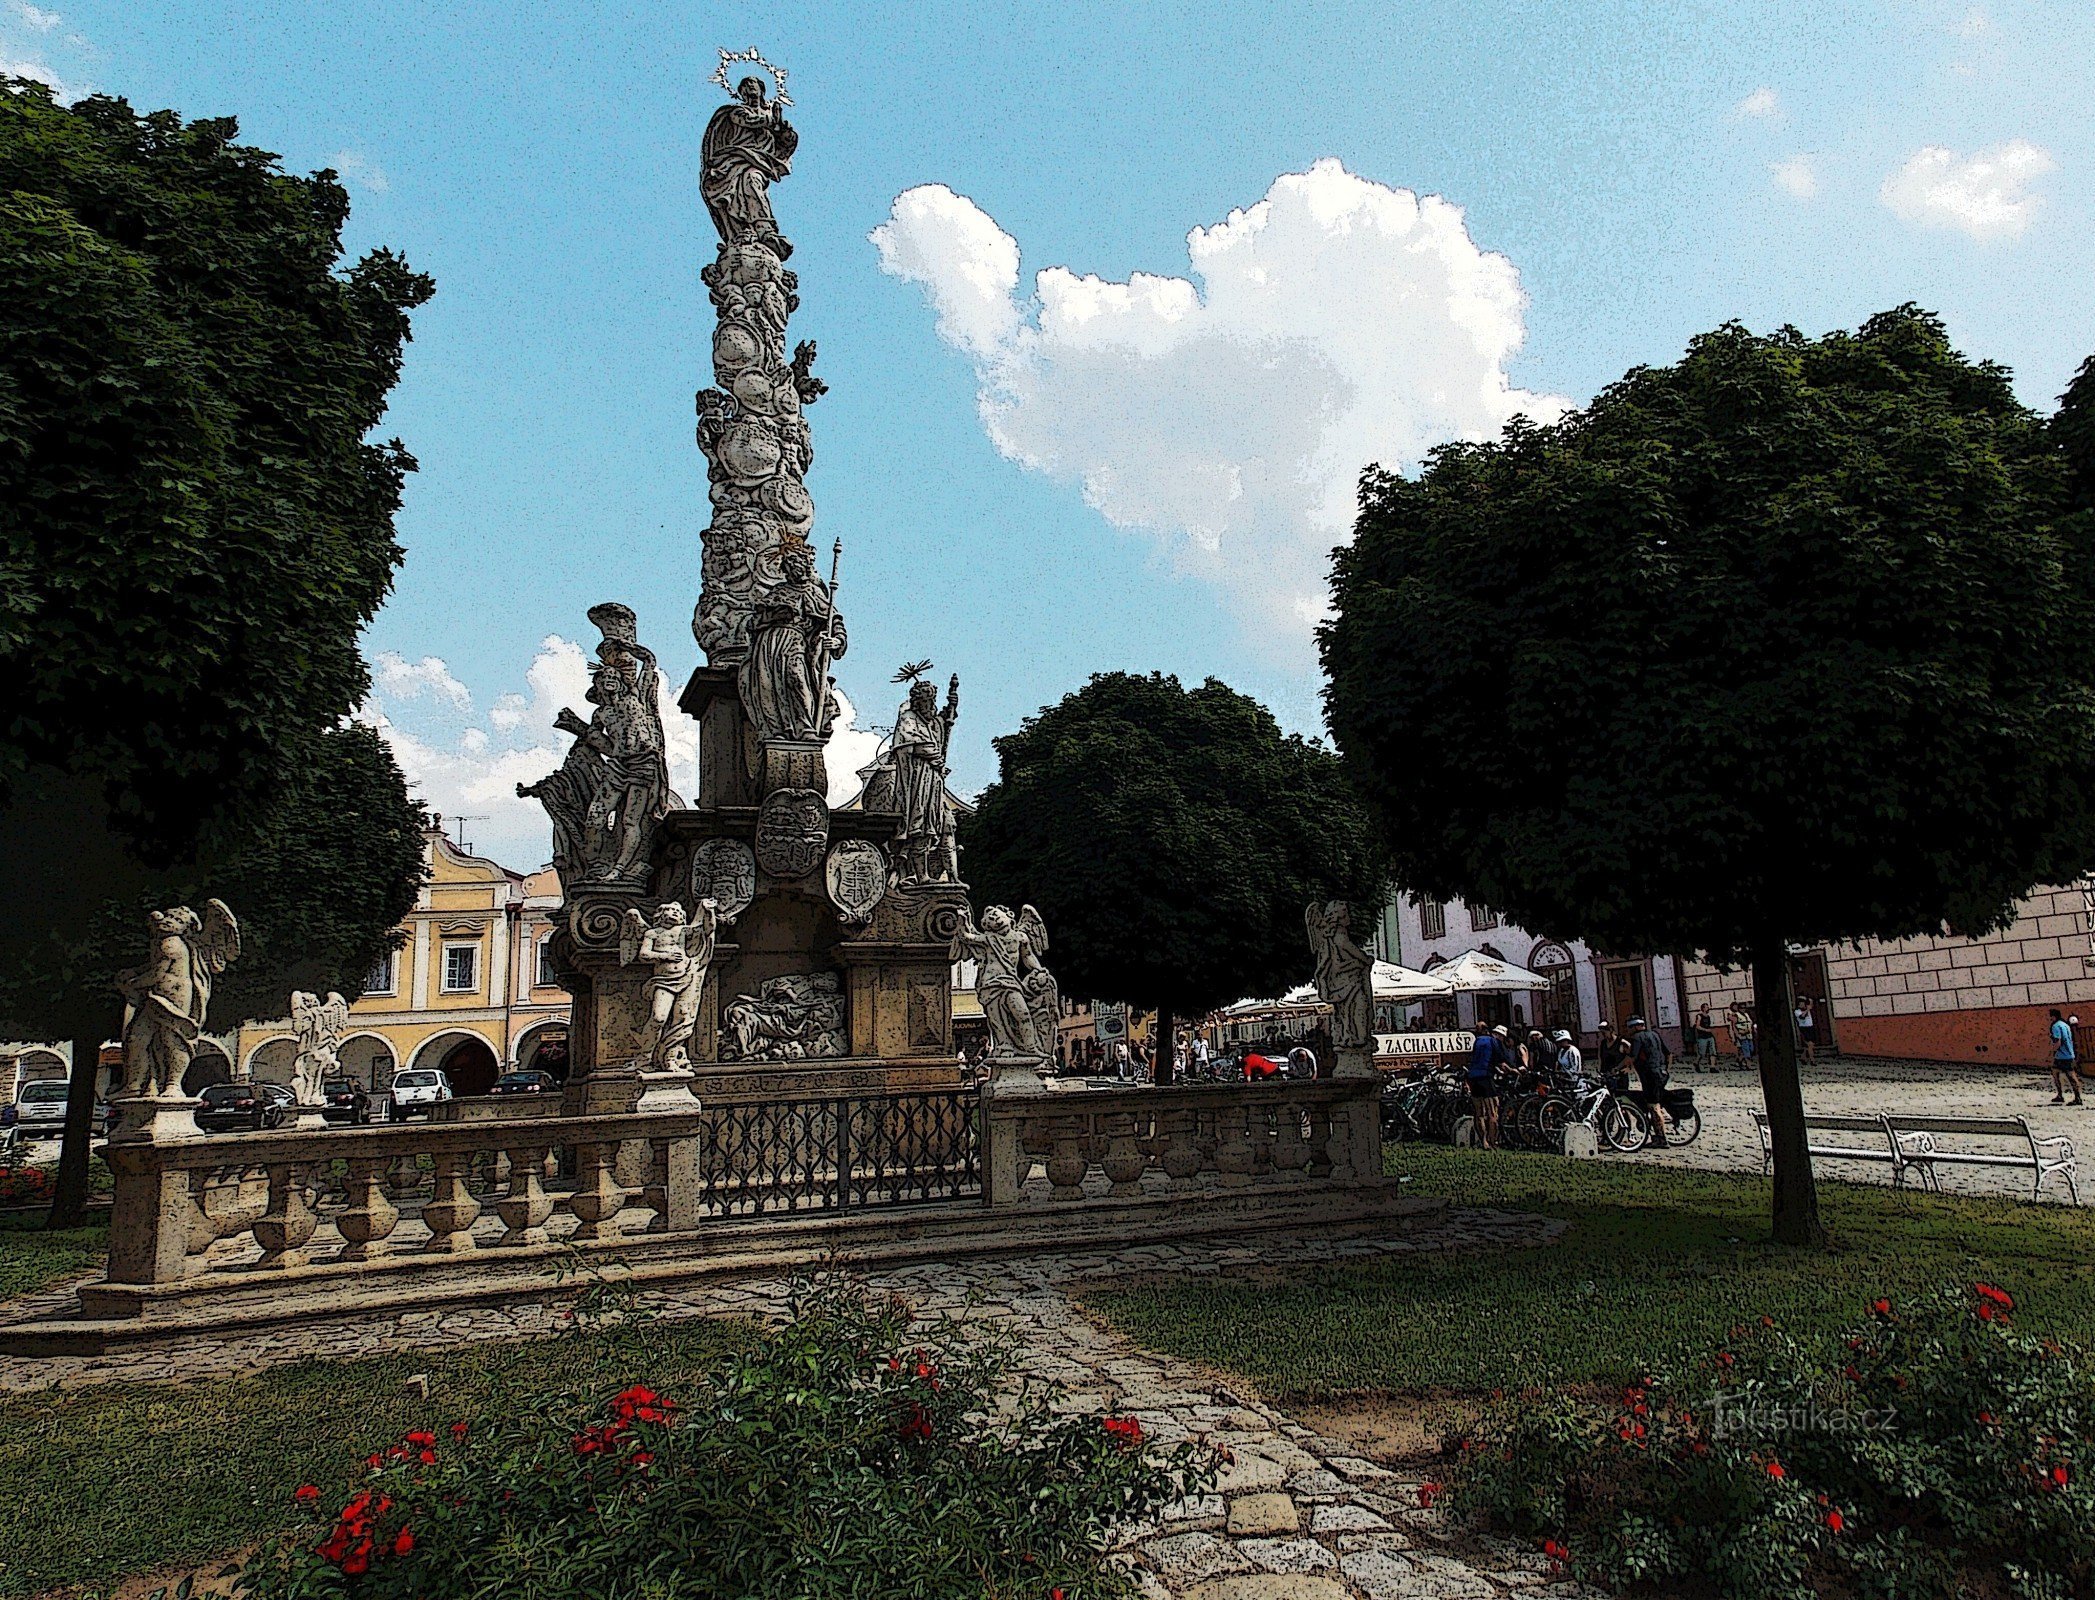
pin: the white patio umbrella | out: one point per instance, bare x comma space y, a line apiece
1393, 982
1473, 972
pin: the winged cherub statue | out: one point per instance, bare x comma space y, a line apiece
320, 1025
680, 951
166, 998
1010, 979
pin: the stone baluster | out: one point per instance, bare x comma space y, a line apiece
599, 1197
1123, 1160
1181, 1158
451, 1210
525, 1205
1319, 1141
154, 1217
1234, 1155
1290, 1152
368, 1220
284, 1229
1067, 1159
407, 1176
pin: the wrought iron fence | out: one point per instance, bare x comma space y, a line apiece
842, 1152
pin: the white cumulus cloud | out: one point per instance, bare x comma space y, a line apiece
1334, 323
1986, 194
35, 18
1796, 176
360, 172
402, 679
1762, 102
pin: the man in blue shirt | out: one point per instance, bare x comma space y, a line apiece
1486, 1057
2065, 1061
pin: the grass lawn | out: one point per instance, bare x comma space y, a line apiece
1657, 1263
31, 1257
116, 1479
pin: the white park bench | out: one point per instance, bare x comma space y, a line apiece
1909, 1144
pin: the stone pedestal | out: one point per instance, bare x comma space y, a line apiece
158, 1118
1354, 1063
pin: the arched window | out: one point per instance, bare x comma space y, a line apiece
1560, 1002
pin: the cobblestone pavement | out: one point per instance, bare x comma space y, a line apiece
1727, 1099
1293, 1517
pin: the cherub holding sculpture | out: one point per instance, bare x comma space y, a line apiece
680, 951
167, 998
1018, 997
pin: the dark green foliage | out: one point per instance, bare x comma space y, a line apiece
849, 1454
1171, 838
1788, 640
193, 530
1939, 1452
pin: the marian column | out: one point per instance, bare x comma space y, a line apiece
764, 613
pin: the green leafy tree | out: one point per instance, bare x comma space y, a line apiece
1171, 838
193, 530
1785, 643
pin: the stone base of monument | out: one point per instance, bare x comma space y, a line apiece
153, 1117
1354, 1064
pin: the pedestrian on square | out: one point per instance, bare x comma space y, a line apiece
1570, 1061
1486, 1057
1705, 1040
1612, 1052
1807, 1033
1650, 1057
1742, 1032
2065, 1060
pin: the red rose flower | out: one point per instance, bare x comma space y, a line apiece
458, 1429
1127, 1430
1881, 1307
1775, 1470
403, 1542
1427, 1493
305, 1494
1836, 1521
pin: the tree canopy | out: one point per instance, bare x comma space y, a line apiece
194, 528
1790, 636
193, 525
1171, 838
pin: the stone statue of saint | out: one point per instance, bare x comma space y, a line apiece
748, 146
166, 999
1006, 951
320, 1025
680, 952
1344, 974
795, 633
613, 787
923, 836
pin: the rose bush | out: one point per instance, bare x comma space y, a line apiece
1937, 1451
25, 1186
845, 1455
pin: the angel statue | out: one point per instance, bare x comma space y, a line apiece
1008, 981
1344, 974
320, 1025
165, 1000
680, 952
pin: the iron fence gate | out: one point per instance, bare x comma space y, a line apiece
842, 1152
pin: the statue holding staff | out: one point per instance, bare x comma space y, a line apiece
748, 146
795, 633
918, 749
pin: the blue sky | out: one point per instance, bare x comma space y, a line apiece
1157, 464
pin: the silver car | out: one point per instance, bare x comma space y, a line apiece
420, 1089
40, 1110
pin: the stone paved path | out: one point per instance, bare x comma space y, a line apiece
1294, 1517
1728, 1098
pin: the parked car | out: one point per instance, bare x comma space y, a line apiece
343, 1101
40, 1110
419, 1090
525, 1083
252, 1107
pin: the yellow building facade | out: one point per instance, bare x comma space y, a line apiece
469, 990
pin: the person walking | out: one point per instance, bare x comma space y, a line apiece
1649, 1056
1741, 1019
1807, 1032
1486, 1057
1705, 1041
2065, 1061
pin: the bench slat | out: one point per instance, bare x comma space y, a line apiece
1977, 1127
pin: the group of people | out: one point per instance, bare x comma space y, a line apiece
1497, 1061
1745, 1032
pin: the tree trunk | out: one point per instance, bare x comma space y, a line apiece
1774, 1005
69, 1193
1163, 1062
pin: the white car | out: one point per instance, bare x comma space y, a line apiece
418, 1090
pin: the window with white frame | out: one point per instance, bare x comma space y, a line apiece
383, 976
547, 977
461, 968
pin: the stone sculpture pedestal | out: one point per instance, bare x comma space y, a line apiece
1354, 1063
157, 1118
